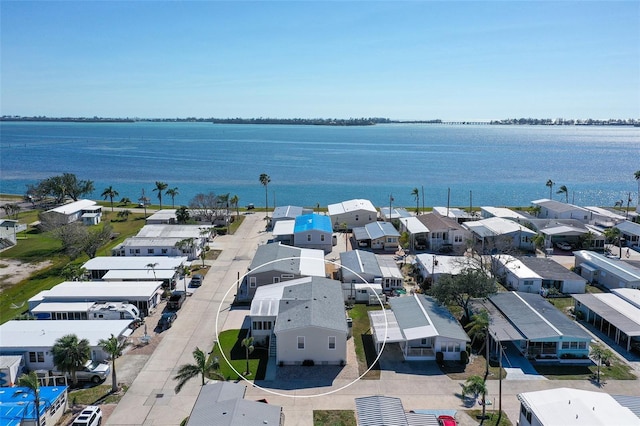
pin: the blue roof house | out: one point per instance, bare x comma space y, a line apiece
313, 231
17, 405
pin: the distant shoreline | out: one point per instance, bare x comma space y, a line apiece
328, 121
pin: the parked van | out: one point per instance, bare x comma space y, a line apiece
90, 416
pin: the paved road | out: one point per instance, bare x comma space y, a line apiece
151, 400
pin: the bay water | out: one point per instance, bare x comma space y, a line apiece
310, 165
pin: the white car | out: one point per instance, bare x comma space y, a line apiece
90, 416
563, 246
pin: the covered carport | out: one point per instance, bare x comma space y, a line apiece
612, 315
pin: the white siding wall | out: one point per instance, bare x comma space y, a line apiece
316, 346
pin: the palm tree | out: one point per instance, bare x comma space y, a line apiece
636, 176
206, 366
265, 180
109, 193
172, 192
160, 186
71, 353
550, 184
114, 347
563, 190
186, 244
475, 386
602, 355
152, 266
31, 382
416, 194
234, 203
478, 328
247, 344
182, 214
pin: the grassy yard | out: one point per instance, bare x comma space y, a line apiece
334, 418
492, 417
95, 394
230, 341
617, 371
365, 351
476, 367
38, 247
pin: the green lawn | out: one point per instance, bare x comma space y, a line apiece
617, 371
492, 417
37, 247
334, 418
230, 341
365, 351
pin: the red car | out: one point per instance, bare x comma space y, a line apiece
447, 421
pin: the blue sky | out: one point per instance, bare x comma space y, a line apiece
402, 60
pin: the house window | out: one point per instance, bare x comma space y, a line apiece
257, 325
36, 356
308, 237
266, 325
332, 342
528, 282
276, 280
322, 237
356, 218
150, 251
300, 342
165, 251
131, 251
457, 238
252, 282
137, 251
287, 276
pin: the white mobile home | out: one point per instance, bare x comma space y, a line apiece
552, 209
537, 275
85, 311
149, 265
607, 272
86, 210
144, 295
352, 213
33, 340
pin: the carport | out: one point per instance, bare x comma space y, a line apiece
612, 315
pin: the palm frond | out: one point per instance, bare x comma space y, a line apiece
186, 372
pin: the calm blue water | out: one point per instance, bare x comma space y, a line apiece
499, 165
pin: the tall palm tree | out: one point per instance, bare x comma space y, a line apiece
109, 193
416, 194
636, 176
234, 203
564, 190
477, 327
550, 184
114, 347
475, 386
265, 180
601, 355
71, 353
206, 366
152, 266
160, 186
31, 382
172, 192
247, 344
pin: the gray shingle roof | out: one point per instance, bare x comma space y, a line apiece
319, 303
548, 269
361, 262
271, 253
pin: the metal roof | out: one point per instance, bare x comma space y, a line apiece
287, 259
224, 402
564, 406
622, 314
286, 212
617, 267
73, 207
313, 222
43, 334
138, 274
631, 295
16, 406
495, 226
535, 318
105, 263
414, 225
380, 411
97, 290
351, 206
388, 266
452, 212
396, 213
62, 307
384, 326
629, 227
172, 231
283, 227
558, 206
377, 230
502, 212
549, 269
361, 262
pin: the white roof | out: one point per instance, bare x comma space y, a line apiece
516, 267
26, 334
312, 262
96, 290
62, 307
385, 326
388, 266
564, 406
605, 212
631, 295
74, 207
454, 212
351, 206
623, 306
498, 226
284, 227
629, 227
138, 274
503, 212
453, 265
171, 231
414, 225
267, 297
163, 215
105, 263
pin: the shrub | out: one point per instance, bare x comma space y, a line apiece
464, 358
308, 363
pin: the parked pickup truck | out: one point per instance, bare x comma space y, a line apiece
91, 372
176, 300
